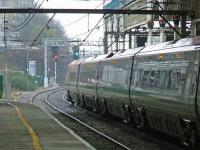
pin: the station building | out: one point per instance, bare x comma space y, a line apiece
128, 31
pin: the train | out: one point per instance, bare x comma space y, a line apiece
153, 87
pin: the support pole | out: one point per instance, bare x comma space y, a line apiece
45, 65
162, 35
117, 36
150, 23
130, 39
124, 42
116, 42
162, 23
150, 37
55, 71
193, 28
183, 26
111, 35
106, 39
6, 82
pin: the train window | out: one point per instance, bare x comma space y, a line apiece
115, 74
88, 74
72, 75
154, 80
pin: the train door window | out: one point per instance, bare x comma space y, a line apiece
161, 81
152, 79
145, 79
198, 96
72, 74
138, 77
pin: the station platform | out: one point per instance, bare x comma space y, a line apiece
28, 127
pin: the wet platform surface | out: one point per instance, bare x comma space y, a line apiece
27, 127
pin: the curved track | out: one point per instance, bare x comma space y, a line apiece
55, 102
84, 124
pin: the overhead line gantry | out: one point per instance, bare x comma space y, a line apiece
182, 13
95, 11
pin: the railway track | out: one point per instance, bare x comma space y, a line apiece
55, 102
84, 124
39, 93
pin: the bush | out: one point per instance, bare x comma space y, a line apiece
23, 82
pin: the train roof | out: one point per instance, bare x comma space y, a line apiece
186, 44
76, 62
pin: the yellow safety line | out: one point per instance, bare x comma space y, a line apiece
35, 139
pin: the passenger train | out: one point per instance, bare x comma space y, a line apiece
154, 87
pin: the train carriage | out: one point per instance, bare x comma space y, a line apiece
155, 87
72, 79
87, 82
163, 87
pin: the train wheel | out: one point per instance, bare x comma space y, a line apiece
96, 107
103, 107
127, 117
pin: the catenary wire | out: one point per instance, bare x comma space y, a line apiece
42, 30
16, 30
17, 26
79, 19
92, 30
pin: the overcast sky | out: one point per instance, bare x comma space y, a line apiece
74, 29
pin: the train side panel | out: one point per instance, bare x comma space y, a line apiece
87, 83
71, 79
162, 90
112, 85
197, 99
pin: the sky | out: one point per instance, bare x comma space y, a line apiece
73, 30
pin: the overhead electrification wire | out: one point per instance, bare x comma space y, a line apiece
97, 27
42, 30
79, 19
28, 20
27, 16
92, 30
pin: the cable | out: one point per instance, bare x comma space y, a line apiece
92, 30
97, 26
27, 16
79, 19
42, 30
28, 20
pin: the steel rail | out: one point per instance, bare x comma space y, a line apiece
37, 94
84, 124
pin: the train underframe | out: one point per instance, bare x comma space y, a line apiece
177, 126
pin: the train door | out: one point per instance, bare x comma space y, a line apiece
197, 97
